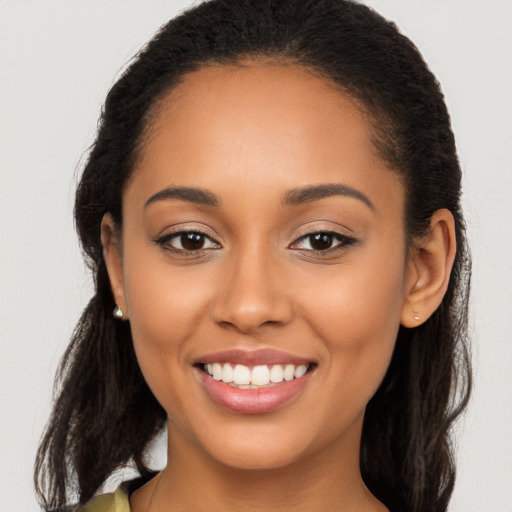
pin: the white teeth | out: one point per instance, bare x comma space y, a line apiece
300, 371
276, 373
246, 377
260, 375
289, 372
242, 374
227, 373
217, 371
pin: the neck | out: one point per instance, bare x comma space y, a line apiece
328, 480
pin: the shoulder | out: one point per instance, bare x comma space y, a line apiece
112, 502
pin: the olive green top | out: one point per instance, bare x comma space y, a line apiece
112, 502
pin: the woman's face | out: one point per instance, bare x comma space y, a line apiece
262, 235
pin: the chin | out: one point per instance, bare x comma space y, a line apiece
266, 443
254, 457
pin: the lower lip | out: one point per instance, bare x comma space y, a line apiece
253, 401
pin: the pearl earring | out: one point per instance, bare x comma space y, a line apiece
118, 314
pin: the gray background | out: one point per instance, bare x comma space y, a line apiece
57, 61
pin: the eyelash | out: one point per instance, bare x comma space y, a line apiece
344, 241
164, 240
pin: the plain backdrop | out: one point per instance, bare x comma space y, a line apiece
58, 60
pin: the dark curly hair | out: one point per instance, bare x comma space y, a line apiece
104, 414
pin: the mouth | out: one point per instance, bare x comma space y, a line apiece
255, 377
254, 382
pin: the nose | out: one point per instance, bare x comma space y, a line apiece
253, 294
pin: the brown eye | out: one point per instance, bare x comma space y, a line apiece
187, 241
192, 241
323, 241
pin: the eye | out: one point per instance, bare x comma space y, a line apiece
187, 241
323, 241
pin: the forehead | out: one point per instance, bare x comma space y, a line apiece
258, 123
259, 93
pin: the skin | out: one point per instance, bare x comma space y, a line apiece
249, 135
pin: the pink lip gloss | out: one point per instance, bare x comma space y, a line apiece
252, 401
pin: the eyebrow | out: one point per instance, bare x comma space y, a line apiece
190, 194
314, 193
293, 197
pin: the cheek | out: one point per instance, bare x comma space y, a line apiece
163, 301
357, 314
165, 305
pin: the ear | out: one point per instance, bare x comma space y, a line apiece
428, 270
112, 252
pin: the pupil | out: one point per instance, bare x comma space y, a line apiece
192, 241
321, 241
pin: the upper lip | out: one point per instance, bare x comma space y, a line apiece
252, 357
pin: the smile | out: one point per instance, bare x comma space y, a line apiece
247, 377
254, 382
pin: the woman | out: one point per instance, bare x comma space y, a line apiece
272, 211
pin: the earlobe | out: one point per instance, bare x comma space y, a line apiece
113, 260
429, 267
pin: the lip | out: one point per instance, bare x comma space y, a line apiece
252, 357
253, 401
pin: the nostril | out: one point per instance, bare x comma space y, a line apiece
250, 297
248, 319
